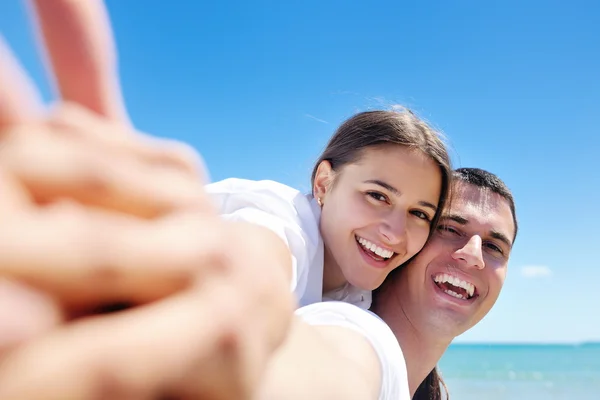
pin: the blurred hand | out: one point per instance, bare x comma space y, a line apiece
94, 215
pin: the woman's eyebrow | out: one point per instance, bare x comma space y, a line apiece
396, 192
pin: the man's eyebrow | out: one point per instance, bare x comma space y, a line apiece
456, 218
396, 192
502, 237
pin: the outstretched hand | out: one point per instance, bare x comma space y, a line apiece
96, 214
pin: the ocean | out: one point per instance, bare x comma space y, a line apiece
533, 372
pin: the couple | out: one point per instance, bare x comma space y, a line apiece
375, 205
444, 289
386, 214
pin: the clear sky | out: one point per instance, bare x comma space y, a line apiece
259, 86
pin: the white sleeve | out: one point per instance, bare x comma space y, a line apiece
394, 379
282, 209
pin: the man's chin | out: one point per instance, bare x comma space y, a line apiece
445, 326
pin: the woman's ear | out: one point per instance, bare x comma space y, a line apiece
323, 181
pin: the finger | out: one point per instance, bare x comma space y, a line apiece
143, 353
86, 258
81, 50
66, 168
70, 118
14, 198
19, 100
24, 314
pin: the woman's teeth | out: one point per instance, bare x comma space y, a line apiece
372, 247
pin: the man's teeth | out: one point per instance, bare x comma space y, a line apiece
455, 281
374, 248
454, 294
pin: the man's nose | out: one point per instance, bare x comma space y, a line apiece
471, 253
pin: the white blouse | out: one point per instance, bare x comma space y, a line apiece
294, 217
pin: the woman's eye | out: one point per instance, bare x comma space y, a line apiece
421, 215
377, 196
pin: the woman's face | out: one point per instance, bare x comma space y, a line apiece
376, 212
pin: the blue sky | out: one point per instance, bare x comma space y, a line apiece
258, 87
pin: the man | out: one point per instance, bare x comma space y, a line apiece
444, 291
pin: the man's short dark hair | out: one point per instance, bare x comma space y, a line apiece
487, 180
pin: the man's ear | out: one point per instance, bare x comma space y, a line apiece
323, 180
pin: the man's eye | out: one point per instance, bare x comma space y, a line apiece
447, 229
495, 248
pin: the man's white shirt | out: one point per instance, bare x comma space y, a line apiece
394, 378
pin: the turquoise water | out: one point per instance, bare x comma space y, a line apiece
500, 372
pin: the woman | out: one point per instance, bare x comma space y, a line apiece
372, 217
376, 194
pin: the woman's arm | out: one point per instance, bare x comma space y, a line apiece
282, 210
337, 350
322, 362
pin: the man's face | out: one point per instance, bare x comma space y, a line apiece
456, 279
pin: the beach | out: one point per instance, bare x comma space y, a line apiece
528, 371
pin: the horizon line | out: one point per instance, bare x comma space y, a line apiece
527, 343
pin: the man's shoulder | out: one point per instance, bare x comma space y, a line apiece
383, 344
350, 316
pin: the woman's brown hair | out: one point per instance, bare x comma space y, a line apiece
382, 128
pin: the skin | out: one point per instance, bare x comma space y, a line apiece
324, 362
389, 197
473, 242
117, 217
